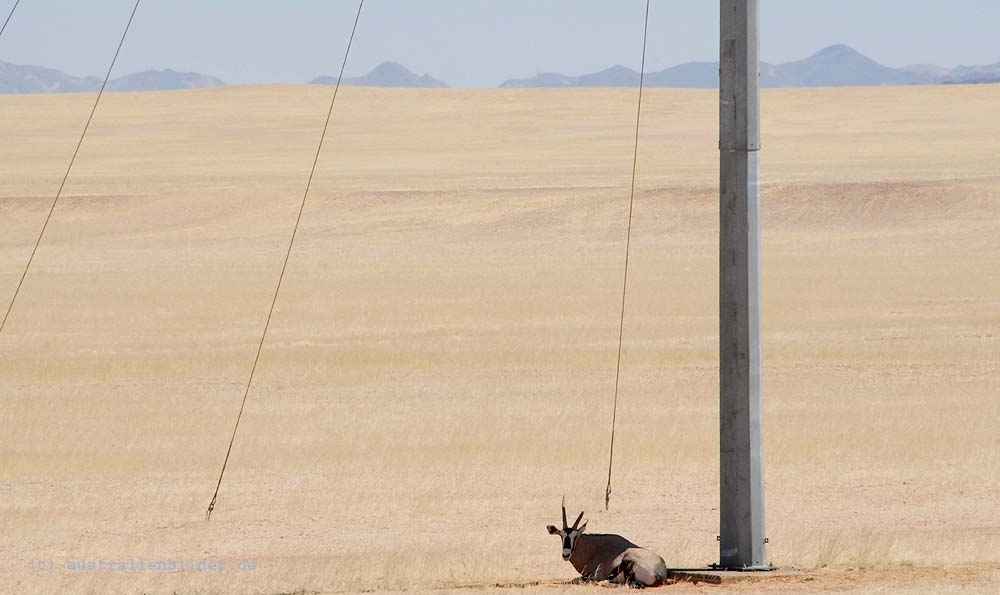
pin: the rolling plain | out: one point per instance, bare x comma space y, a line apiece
440, 365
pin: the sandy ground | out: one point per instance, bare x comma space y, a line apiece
441, 360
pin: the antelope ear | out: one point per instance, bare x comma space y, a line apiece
583, 528
552, 530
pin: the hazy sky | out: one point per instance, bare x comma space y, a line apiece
475, 42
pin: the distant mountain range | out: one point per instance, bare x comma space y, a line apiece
973, 74
163, 80
35, 79
387, 74
835, 66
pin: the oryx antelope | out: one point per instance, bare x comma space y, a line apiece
608, 557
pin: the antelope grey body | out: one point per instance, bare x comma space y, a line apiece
612, 558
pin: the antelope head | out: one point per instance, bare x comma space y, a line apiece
568, 534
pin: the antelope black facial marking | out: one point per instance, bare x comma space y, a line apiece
569, 542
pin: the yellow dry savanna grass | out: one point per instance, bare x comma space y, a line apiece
440, 364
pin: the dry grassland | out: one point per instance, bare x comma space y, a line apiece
440, 364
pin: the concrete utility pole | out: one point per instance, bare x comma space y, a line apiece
741, 507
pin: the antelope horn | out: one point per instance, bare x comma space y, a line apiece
565, 524
577, 521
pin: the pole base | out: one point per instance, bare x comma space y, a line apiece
765, 568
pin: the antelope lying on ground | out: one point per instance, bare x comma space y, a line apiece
608, 557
